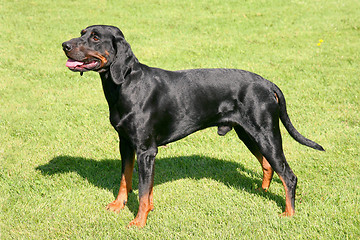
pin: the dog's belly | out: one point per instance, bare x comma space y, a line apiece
223, 115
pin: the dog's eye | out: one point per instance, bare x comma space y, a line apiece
94, 36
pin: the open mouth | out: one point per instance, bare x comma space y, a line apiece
79, 66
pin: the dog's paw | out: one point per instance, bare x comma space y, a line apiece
260, 189
287, 214
137, 223
116, 206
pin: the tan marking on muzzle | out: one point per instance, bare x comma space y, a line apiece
97, 55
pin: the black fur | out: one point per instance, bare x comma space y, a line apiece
150, 107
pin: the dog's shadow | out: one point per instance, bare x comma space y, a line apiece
106, 173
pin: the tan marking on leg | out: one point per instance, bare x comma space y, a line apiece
125, 187
151, 198
289, 210
268, 173
145, 206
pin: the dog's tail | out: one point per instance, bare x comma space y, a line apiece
284, 117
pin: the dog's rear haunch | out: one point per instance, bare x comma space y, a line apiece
150, 107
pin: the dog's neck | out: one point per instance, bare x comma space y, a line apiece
110, 88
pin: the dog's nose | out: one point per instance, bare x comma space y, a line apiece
66, 46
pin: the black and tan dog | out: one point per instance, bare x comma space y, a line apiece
150, 107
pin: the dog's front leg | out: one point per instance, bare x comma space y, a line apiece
146, 164
127, 161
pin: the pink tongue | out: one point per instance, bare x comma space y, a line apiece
71, 63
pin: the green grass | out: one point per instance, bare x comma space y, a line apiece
59, 160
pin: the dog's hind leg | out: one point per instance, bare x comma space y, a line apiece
254, 149
270, 145
267, 146
279, 164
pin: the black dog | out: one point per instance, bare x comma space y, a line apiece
150, 107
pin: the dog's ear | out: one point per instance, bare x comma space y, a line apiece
116, 71
123, 61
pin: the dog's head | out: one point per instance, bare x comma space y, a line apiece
99, 48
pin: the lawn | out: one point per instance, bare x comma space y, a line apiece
59, 159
